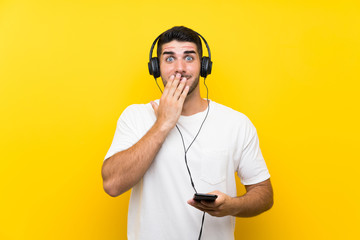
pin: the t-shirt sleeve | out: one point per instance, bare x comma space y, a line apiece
252, 167
125, 133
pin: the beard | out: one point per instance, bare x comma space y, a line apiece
193, 85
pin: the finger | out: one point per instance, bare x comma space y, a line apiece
183, 95
155, 106
200, 205
168, 86
205, 205
204, 209
210, 205
195, 205
180, 88
174, 84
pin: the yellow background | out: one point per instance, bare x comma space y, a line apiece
69, 68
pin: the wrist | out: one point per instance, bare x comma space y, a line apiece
162, 128
236, 206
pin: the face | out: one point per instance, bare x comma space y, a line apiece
180, 57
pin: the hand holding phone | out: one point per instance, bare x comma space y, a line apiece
204, 197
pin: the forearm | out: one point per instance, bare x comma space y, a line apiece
257, 199
124, 169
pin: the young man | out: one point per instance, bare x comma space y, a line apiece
159, 146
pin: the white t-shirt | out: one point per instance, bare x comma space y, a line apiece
227, 144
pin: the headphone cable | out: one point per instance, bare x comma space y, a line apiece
158, 85
187, 149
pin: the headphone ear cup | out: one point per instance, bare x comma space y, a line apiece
154, 67
206, 66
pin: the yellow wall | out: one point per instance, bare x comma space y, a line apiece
69, 68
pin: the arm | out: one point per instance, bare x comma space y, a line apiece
124, 169
257, 199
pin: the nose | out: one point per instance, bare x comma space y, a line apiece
180, 66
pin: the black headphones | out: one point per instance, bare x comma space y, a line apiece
154, 65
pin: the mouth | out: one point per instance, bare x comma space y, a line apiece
186, 76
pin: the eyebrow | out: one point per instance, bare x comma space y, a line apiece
192, 51
186, 52
168, 53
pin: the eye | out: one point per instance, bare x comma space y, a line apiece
169, 59
188, 58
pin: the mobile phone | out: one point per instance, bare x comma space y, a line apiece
204, 197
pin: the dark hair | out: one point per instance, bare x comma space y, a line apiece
181, 34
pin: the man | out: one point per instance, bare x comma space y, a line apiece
159, 146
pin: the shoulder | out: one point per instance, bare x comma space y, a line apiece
133, 108
137, 111
229, 119
137, 117
227, 113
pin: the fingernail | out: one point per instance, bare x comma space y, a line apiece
183, 79
178, 75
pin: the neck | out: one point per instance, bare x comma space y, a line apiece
194, 103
